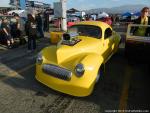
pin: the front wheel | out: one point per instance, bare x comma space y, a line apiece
100, 73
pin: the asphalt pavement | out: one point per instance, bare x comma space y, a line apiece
123, 88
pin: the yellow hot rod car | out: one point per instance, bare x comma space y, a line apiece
75, 64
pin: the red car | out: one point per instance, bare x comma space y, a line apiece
108, 20
70, 22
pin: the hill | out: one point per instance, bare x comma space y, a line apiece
116, 10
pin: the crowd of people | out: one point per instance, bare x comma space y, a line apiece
17, 28
35, 25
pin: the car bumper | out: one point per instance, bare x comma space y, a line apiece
68, 87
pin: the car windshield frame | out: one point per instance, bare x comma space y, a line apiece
84, 32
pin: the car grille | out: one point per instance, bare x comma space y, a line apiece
57, 72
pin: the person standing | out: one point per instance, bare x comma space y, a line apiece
143, 20
6, 31
14, 25
39, 25
17, 28
31, 31
46, 20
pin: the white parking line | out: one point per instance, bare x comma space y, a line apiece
125, 90
12, 73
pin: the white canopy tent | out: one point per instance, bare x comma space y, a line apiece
103, 14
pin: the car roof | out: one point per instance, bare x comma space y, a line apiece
95, 23
16, 11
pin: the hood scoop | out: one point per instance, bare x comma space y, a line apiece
70, 39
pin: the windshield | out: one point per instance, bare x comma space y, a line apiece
86, 30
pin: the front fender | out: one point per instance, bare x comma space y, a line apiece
117, 42
49, 55
92, 63
117, 38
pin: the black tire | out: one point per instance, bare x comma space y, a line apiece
100, 73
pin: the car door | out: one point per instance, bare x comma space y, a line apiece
108, 42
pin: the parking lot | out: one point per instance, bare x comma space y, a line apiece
125, 86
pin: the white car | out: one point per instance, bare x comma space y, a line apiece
21, 13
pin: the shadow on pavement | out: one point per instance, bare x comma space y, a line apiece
106, 94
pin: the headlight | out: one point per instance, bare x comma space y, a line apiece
39, 59
79, 70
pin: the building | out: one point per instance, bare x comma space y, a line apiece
37, 5
18, 4
23, 4
75, 12
5, 6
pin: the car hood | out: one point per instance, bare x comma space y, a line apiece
86, 45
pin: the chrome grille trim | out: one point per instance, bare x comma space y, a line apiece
57, 71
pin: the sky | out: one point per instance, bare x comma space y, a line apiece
91, 4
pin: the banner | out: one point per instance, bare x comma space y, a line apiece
19, 3
22, 4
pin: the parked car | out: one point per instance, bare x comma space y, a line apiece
76, 63
21, 13
70, 21
137, 45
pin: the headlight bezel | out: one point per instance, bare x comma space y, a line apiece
79, 70
39, 59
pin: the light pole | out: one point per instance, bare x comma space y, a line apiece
17, 4
64, 19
